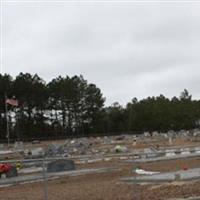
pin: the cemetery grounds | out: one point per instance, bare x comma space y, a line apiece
110, 185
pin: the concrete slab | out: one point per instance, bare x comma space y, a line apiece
192, 174
2, 152
30, 170
163, 158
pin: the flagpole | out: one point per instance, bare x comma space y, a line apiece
7, 122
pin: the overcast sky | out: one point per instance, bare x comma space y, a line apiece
127, 51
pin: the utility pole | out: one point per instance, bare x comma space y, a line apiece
7, 121
17, 124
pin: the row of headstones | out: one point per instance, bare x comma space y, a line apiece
148, 153
183, 151
172, 133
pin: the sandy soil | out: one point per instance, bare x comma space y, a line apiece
107, 186
98, 187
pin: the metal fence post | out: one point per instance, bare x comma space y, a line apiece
44, 180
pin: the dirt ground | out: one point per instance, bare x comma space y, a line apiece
107, 186
162, 166
98, 187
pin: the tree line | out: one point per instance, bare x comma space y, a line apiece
70, 106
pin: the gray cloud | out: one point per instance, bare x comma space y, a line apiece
128, 52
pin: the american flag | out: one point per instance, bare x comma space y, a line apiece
12, 102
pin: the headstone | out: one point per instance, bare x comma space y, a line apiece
146, 134
169, 153
18, 145
123, 158
60, 166
170, 141
75, 150
149, 153
197, 149
165, 136
72, 142
107, 159
143, 156
196, 133
55, 149
12, 172
120, 149
121, 137
171, 133
37, 152
155, 133
147, 150
35, 142
107, 140
1, 146
95, 160
134, 141
183, 133
185, 151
